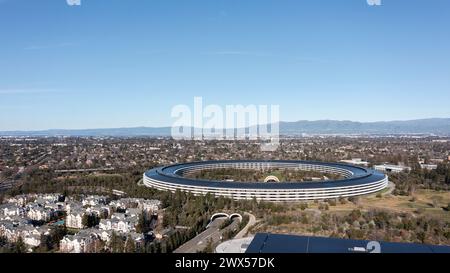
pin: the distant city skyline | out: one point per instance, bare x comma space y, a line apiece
112, 64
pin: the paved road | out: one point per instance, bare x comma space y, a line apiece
141, 182
251, 222
212, 232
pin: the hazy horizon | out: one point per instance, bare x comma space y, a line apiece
170, 125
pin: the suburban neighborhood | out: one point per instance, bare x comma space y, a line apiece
91, 221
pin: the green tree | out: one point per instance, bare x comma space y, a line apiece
144, 223
90, 220
209, 246
116, 243
130, 246
19, 246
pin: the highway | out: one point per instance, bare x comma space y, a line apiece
212, 232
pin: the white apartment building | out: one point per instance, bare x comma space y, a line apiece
86, 241
119, 223
38, 213
74, 219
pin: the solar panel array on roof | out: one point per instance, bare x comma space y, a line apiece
360, 176
276, 243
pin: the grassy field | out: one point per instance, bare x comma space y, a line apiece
422, 201
426, 203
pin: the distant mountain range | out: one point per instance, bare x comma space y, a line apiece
437, 126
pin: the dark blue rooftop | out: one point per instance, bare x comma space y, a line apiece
360, 176
276, 243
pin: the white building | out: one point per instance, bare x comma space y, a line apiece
72, 205
74, 219
358, 181
32, 240
133, 212
391, 168
356, 161
140, 203
38, 213
43, 199
8, 230
429, 166
86, 241
20, 200
151, 205
94, 200
13, 230
99, 210
119, 222
9, 210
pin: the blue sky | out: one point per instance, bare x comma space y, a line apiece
117, 63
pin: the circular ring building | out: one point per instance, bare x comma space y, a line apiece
356, 180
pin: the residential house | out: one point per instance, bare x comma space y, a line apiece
85, 241
74, 218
